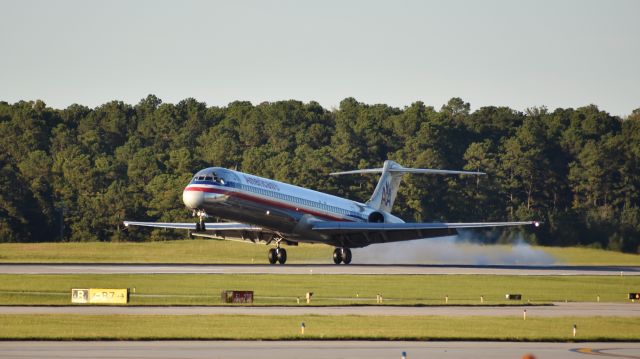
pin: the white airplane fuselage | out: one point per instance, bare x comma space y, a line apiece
281, 207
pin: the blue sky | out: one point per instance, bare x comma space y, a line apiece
505, 53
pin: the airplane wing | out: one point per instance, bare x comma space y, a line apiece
361, 234
221, 230
209, 226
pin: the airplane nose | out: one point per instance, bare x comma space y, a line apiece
193, 199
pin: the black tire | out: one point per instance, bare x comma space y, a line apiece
337, 256
346, 255
282, 255
273, 257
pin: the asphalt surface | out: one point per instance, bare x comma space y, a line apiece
312, 269
314, 349
557, 310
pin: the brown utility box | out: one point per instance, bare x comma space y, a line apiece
237, 296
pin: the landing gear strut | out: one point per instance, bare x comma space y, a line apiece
277, 255
342, 255
200, 226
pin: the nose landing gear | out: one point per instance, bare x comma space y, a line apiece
342, 255
200, 226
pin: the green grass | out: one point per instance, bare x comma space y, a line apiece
185, 251
591, 256
237, 327
204, 289
212, 251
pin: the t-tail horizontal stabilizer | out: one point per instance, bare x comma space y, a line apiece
387, 189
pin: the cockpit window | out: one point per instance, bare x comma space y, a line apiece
209, 177
217, 179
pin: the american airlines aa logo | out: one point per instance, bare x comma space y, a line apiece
386, 194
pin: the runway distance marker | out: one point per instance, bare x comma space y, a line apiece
100, 296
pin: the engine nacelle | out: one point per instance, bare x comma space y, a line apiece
376, 217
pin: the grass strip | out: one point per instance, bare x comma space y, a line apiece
242, 327
269, 289
182, 251
213, 251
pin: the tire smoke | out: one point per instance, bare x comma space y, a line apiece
465, 249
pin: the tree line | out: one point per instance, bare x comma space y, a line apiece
75, 174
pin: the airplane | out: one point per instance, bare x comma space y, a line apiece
264, 210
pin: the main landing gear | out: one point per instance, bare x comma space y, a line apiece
277, 255
342, 255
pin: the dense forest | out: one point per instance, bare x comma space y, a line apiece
75, 174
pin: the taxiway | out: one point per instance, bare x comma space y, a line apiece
313, 269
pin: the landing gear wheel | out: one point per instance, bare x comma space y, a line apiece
346, 255
281, 254
337, 255
273, 257
342, 255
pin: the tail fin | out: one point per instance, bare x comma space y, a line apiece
387, 189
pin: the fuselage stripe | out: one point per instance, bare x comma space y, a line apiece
257, 199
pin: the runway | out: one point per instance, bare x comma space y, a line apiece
313, 349
556, 310
313, 269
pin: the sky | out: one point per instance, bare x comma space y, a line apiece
519, 54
